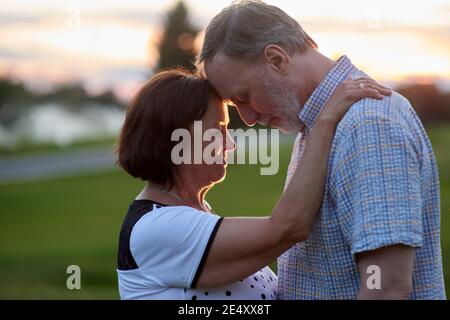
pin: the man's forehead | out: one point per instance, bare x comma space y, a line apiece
223, 73
219, 61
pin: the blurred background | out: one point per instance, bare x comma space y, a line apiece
68, 70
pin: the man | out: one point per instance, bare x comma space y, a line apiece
378, 233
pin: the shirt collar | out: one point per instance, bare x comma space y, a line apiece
322, 93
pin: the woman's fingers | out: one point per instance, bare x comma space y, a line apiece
371, 86
350, 91
369, 80
357, 94
363, 83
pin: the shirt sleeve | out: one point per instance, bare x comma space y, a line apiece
375, 185
170, 245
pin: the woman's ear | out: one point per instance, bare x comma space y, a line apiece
277, 58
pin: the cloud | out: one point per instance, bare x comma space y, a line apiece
133, 16
125, 72
437, 36
12, 54
137, 16
7, 19
130, 16
339, 25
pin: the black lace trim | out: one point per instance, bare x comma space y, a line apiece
136, 210
205, 253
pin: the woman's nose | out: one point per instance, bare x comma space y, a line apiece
230, 145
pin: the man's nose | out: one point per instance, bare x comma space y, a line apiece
247, 115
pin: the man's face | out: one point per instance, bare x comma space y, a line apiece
259, 94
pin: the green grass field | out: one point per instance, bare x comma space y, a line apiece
47, 226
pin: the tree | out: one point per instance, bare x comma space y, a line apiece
177, 45
430, 103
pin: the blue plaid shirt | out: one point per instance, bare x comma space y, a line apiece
382, 189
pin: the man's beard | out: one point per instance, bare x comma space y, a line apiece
287, 105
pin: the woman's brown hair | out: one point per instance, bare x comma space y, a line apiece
169, 100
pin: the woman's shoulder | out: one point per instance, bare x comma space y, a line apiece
166, 224
172, 238
170, 215
149, 209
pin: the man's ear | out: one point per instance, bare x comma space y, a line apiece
278, 59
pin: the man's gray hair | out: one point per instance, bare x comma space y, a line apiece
246, 27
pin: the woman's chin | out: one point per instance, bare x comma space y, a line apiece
221, 173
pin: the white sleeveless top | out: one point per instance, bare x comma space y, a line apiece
162, 250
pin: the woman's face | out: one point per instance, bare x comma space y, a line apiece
210, 144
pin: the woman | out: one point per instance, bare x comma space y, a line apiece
172, 245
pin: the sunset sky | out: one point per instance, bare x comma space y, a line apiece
111, 44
